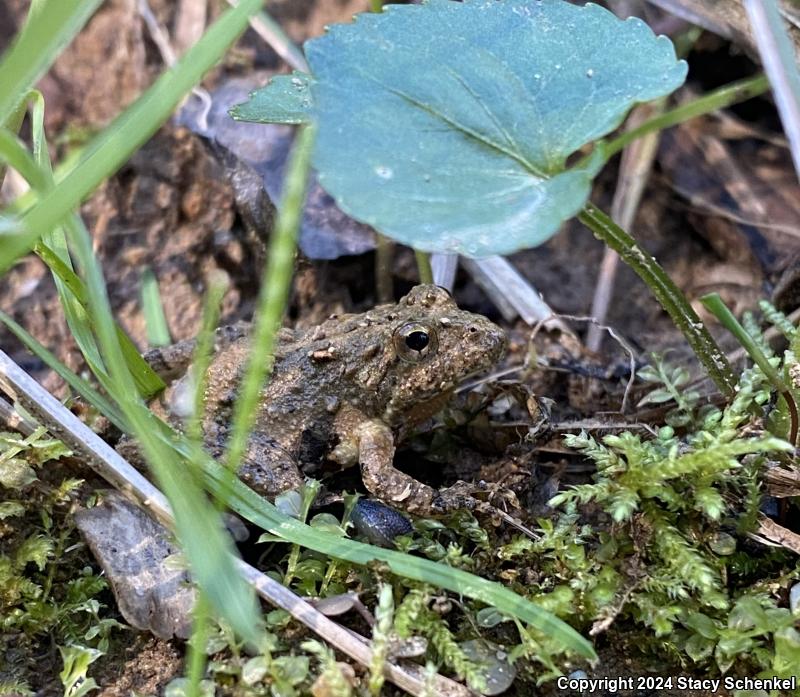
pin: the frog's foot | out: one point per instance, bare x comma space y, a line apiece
375, 456
268, 468
454, 498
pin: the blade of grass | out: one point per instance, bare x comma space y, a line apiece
56, 244
111, 148
780, 63
667, 293
46, 33
12, 124
196, 646
208, 549
77, 383
714, 304
721, 98
274, 35
251, 506
14, 153
275, 284
37, 171
153, 309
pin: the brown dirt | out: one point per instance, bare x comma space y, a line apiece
145, 665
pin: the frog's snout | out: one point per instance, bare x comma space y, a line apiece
488, 339
497, 343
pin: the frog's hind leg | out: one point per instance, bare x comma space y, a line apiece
375, 454
268, 468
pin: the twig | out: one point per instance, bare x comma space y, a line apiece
614, 335
777, 535
272, 33
104, 460
444, 267
634, 171
190, 22
698, 204
778, 57
511, 292
161, 39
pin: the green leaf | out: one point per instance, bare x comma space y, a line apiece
15, 473
698, 648
447, 125
77, 660
11, 509
36, 549
284, 99
702, 624
46, 33
787, 651
748, 614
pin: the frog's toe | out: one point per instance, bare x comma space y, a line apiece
379, 523
271, 479
454, 498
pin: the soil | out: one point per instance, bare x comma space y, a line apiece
172, 210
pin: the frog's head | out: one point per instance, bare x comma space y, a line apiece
434, 346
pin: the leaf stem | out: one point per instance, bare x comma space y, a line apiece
714, 304
384, 253
196, 660
721, 98
424, 266
666, 292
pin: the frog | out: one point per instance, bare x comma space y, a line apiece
346, 391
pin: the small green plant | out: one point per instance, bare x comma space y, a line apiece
46, 591
662, 548
673, 379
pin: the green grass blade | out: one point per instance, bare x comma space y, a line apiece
14, 153
77, 383
153, 309
37, 171
721, 98
47, 32
275, 283
107, 152
254, 508
208, 548
667, 293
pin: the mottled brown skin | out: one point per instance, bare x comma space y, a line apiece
347, 389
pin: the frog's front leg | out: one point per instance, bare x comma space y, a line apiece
370, 442
269, 468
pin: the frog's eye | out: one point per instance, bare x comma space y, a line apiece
413, 341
